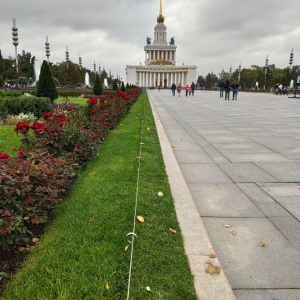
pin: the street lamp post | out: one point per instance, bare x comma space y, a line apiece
80, 61
67, 56
266, 71
230, 71
240, 69
47, 49
15, 41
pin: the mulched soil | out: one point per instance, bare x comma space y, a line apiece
11, 258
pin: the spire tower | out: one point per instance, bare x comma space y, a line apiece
160, 18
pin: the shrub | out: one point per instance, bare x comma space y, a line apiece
123, 87
33, 182
28, 118
46, 86
29, 190
17, 105
97, 88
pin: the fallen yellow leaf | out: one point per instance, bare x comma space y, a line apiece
172, 230
141, 219
160, 194
212, 255
148, 288
213, 270
35, 240
126, 248
233, 233
107, 286
261, 244
227, 226
91, 220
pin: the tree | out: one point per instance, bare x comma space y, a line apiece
210, 80
123, 87
46, 86
97, 88
201, 81
115, 85
1, 80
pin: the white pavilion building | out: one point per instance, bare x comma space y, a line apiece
160, 62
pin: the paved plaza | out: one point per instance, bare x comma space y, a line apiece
240, 161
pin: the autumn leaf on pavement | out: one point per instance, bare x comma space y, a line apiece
262, 244
233, 233
213, 255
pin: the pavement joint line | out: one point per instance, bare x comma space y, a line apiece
207, 286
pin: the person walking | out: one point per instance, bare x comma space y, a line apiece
173, 88
179, 88
235, 87
227, 89
193, 86
221, 86
186, 90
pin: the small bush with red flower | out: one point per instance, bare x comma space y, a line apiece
53, 150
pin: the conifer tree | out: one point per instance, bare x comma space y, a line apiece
123, 87
46, 86
115, 85
97, 88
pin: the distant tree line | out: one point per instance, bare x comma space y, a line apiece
249, 77
66, 74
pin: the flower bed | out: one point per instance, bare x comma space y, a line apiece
53, 151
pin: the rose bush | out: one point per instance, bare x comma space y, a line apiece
53, 150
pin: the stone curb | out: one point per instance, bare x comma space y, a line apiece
197, 244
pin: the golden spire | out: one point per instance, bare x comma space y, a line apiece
160, 18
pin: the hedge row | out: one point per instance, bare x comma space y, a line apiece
16, 105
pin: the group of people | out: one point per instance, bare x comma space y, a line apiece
189, 90
280, 90
228, 87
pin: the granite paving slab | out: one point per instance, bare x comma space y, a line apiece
284, 294
292, 204
257, 157
192, 156
246, 264
204, 173
246, 172
283, 171
223, 200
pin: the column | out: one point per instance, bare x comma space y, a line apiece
158, 79
140, 78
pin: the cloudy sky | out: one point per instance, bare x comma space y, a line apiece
209, 34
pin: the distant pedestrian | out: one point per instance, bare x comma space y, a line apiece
280, 89
221, 86
179, 88
193, 86
227, 89
173, 88
158, 88
235, 87
186, 90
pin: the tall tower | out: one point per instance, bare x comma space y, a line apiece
160, 30
15, 41
160, 52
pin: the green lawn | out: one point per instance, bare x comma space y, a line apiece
77, 100
82, 255
9, 139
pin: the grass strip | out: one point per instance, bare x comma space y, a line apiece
9, 140
82, 254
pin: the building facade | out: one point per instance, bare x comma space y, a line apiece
160, 62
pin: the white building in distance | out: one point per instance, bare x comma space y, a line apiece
160, 62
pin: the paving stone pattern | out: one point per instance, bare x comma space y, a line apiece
241, 162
